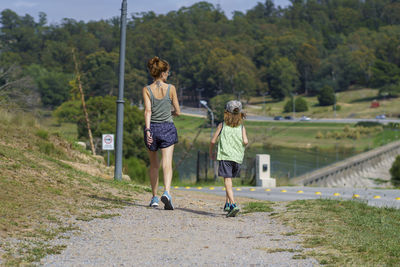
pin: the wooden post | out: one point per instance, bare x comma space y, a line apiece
198, 167
78, 78
206, 164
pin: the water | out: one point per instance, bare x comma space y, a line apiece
285, 162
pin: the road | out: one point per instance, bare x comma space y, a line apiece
373, 197
201, 112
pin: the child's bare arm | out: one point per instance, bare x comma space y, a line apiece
214, 140
245, 140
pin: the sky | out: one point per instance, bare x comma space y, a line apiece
87, 10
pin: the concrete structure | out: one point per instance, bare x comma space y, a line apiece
263, 171
364, 170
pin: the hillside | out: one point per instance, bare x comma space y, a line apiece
46, 185
352, 104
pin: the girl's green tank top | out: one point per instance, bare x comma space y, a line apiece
230, 144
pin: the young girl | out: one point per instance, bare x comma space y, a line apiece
232, 138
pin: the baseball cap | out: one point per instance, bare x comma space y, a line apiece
234, 106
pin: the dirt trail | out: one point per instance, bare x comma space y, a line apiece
195, 233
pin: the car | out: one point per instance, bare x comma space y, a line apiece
278, 118
288, 118
305, 118
381, 117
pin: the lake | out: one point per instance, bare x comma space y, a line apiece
285, 162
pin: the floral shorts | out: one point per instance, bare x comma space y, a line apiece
164, 135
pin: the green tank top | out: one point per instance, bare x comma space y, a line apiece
230, 144
160, 108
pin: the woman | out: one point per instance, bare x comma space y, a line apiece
160, 132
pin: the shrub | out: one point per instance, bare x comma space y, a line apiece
300, 105
326, 96
319, 135
368, 123
42, 134
69, 111
136, 169
395, 172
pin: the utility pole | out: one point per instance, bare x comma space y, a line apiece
120, 100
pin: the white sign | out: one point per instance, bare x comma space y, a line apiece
108, 142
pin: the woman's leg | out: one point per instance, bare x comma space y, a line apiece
167, 154
229, 191
154, 166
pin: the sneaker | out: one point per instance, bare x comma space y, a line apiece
233, 211
227, 207
154, 202
167, 200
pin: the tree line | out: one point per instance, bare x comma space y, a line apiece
300, 49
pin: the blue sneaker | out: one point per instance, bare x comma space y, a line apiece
167, 200
234, 209
227, 207
154, 202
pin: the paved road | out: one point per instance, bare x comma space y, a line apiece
203, 113
374, 197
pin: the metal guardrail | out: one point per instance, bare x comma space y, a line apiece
346, 165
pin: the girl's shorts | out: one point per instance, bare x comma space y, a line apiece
164, 135
228, 169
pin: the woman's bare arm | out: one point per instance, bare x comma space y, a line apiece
147, 113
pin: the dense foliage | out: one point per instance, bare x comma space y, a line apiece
301, 48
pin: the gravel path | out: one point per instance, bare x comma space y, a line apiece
195, 233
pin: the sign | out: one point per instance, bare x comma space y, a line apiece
108, 142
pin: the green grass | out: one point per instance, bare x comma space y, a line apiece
354, 104
257, 207
346, 233
39, 190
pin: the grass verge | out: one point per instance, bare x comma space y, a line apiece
46, 187
257, 207
346, 233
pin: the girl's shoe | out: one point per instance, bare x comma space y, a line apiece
227, 207
154, 202
234, 209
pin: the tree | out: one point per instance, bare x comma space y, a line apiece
395, 172
326, 96
102, 114
282, 78
217, 104
53, 86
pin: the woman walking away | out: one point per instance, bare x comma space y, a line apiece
232, 140
160, 132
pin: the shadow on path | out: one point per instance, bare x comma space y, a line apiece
128, 203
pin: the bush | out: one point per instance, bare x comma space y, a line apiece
368, 124
136, 169
326, 96
300, 105
68, 111
395, 172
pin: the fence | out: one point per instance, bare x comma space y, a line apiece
207, 169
